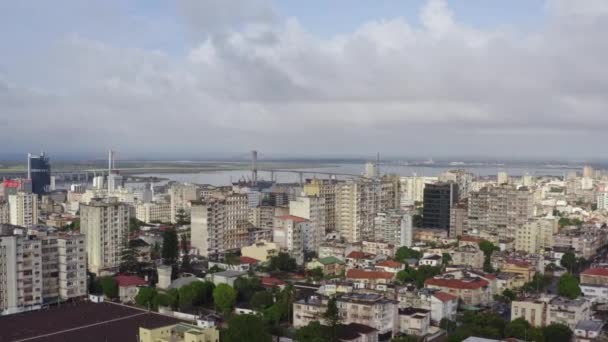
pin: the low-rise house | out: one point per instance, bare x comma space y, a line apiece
469, 255
441, 304
532, 309
181, 332
369, 279
469, 287
308, 310
430, 260
261, 250
128, 287
378, 248
390, 266
225, 277
356, 259
331, 265
507, 280
243, 264
545, 310
586, 331
523, 267
270, 282
414, 322
354, 332
595, 276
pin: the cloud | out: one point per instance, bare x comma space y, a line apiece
251, 78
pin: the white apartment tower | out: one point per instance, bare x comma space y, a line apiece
313, 209
181, 195
23, 209
394, 226
219, 225
105, 223
356, 208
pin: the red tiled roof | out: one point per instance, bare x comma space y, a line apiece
444, 297
468, 238
128, 280
247, 260
518, 263
296, 219
363, 274
489, 276
356, 255
390, 263
270, 281
457, 283
602, 272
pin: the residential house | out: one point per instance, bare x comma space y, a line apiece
128, 287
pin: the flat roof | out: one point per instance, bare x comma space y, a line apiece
84, 321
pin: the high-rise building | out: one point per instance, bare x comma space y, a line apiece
371, 170
588, 171
536, 235
602, 200
356, 207
39, 269
327, 190
459, 219
500, 210
23, 209
263, 216
4, 212
39, 171
438, 201
412, 189
293, 234
502, 178
105, 223
394, 226
461, 177
181, 195
311, 208
153, 212
219, 225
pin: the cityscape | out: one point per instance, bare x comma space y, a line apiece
303, 171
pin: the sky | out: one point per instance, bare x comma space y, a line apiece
198, 78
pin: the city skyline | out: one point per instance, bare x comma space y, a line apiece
205, 78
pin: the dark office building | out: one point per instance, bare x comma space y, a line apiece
438, 200
39, 171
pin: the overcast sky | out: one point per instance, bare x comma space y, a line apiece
195, 78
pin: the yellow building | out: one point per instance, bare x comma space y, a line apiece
261, 250
521, 267
180, 332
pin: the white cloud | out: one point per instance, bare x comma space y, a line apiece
254, 79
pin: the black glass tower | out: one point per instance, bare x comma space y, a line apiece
438, 200
39, 171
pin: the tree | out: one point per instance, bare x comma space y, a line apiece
170, 251
246, 288
568, 286
517, 328
145, 296
283, 262
173, 296
446, 258
568, 261
509, 295
418, 276
203, 292
161, 299
109, 286
417, 221
488, 249
404, 253
313, 332
261, 300
333, 318
185, 247
128, 258
556, 332
316, 273
186, 297
246, 328
538, 283
231, 259
224, 298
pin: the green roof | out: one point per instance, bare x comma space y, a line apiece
330, 260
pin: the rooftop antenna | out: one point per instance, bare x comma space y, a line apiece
254, 167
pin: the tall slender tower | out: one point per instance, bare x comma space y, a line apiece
254, 167
110, 166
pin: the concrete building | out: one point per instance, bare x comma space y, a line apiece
500, 210
439, 199
105, 223
586, 331
313, 209
412, 188
461, 177
325, 189
471, 288
181, 332
502, 178
39, 269
292, 234
602, 200
414, 321
263, 216
261, 250
153, 212
181, 195
219, 225
533, 310
467, 255
4, 212
536, 235
459, 215
394, 226
23, 209
356, 208
546, 310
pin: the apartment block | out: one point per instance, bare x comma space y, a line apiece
312, 209
105, 223
153, 212
535, 235
219, 224
356, 208
394, 226
181, 195
325, 189
23, 209
263, 216
293, 234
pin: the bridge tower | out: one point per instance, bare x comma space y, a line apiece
254, 167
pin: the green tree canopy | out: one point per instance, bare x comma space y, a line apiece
170, 251
246, 287
568, 286
187, 295
418, 276
517, 328
283, 262
404, 253
332, 318
203, 292
313, 332
556, 332
185, 247
109, 286
261, 300
569, 261
145, 297
224, 298
249, 328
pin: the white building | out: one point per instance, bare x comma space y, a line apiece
602, 200
395, 227
153, 212
181, 195
23, 209
105, 223
412, 188
313, 209
292, 233
502, 178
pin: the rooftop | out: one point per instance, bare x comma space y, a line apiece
293, 218
330, 260
469, 284
83, 321
590, 325
130, 280
602, 272
363, 274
